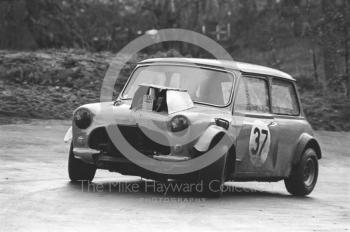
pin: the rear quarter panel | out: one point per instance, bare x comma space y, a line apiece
291, 129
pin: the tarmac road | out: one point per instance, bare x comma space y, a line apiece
36, 195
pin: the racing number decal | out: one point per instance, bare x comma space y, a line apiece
258, 132
259, 143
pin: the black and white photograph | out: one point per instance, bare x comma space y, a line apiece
174, 115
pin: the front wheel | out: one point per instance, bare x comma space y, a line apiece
213, 178
303, 177
78, 170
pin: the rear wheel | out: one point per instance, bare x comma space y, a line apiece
78, 170
303, 177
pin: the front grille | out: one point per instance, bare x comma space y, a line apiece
98, 138
135, 137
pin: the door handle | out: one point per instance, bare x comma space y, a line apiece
273, 124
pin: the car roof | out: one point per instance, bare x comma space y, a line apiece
235, 65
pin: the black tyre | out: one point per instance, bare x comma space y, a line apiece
78, 170
213, 178
303, 177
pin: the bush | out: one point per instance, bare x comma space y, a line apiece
51, 84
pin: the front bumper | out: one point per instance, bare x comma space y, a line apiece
124, 166
93, 156
85, 154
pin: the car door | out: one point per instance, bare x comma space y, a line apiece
257, 133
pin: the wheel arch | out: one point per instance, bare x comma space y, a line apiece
209, 138
306, 141
312, 143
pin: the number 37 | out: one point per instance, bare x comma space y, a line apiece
259, 147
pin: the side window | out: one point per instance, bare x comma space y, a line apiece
253, 95
241, 102
284, 99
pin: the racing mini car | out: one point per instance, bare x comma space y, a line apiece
201, 120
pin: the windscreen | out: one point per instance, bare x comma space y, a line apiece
203, 85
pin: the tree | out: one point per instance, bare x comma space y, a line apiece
329, 39
346, 40
14, 26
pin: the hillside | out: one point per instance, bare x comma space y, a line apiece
51, 84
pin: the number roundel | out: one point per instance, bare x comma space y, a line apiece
259, 143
